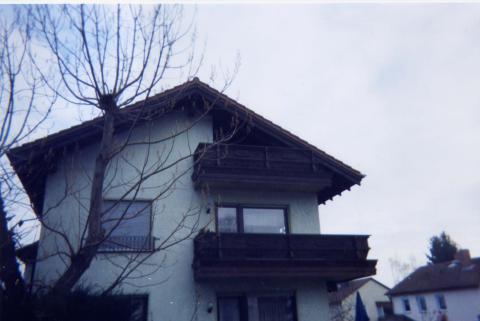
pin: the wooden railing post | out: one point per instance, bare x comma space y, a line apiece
289, 247
358, 248
219, 246
267, 164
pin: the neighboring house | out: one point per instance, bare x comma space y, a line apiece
258, 254
373, 294
443, 291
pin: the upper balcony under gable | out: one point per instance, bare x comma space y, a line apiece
250, 152
235, 166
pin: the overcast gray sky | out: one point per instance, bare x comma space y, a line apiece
392, 90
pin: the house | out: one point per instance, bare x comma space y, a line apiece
442, 291
373, 294
226, 227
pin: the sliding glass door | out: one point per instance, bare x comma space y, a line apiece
257, 308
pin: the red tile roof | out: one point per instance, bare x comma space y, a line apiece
440, 277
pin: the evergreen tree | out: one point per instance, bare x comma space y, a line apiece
442, 249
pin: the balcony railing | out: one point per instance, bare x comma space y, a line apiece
127, 244
333, 257
223, 164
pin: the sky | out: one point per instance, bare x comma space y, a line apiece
390, 89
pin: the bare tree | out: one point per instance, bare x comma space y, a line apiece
343, 311
107, 58
24, 107
400, 269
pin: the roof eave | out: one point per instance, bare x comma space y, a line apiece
86, 130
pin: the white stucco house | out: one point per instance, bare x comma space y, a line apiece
440, 292
225, 226
373, 294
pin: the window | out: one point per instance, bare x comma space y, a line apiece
227, 219
246, 219
257, 308
380, 312
406, 305
442, 305
126, 226
230, 309
422, 304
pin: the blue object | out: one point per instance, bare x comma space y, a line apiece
360, 311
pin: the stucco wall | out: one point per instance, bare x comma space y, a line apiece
166, 276
462, 305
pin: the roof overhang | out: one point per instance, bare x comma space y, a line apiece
33, 161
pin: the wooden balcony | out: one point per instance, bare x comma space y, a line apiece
279, 168
237, 255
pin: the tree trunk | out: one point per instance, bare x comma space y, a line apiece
81, 260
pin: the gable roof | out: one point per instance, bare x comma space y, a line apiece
348, 288
440, 277
31, 162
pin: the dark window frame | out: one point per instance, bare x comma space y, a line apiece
422, 304
239, 207
441, 302
243, 299
150, 237
406, 305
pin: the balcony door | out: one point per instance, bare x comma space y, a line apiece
249, 219
275, 309
257, 308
